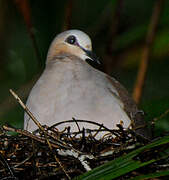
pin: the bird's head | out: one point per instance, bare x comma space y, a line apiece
73, 42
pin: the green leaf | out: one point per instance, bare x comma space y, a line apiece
153, 175
124, 164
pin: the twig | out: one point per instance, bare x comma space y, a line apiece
138, 89
40, 127
86, 121
27, 110
76, 123
2, 159
58, 144
22, 162
23, 132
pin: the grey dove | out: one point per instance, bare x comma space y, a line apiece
70, 87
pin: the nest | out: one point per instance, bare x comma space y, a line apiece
61, 155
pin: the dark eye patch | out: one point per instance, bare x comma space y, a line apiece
71, 39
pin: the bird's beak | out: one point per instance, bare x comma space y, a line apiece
91, 56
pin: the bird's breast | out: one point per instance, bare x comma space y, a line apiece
63, 93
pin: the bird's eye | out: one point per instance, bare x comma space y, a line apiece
71, 39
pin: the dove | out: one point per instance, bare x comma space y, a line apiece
71, 88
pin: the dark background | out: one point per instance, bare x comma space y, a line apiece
118, 29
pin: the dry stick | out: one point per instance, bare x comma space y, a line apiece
76, 123
40, 127
30, 135
5, 163
138, 89
27, 110
23, 132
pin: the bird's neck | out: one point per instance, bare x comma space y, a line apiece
68, 66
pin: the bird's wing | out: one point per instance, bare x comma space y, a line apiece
136, 115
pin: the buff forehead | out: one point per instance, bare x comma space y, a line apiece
82, 38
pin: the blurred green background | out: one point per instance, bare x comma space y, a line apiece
118, 30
